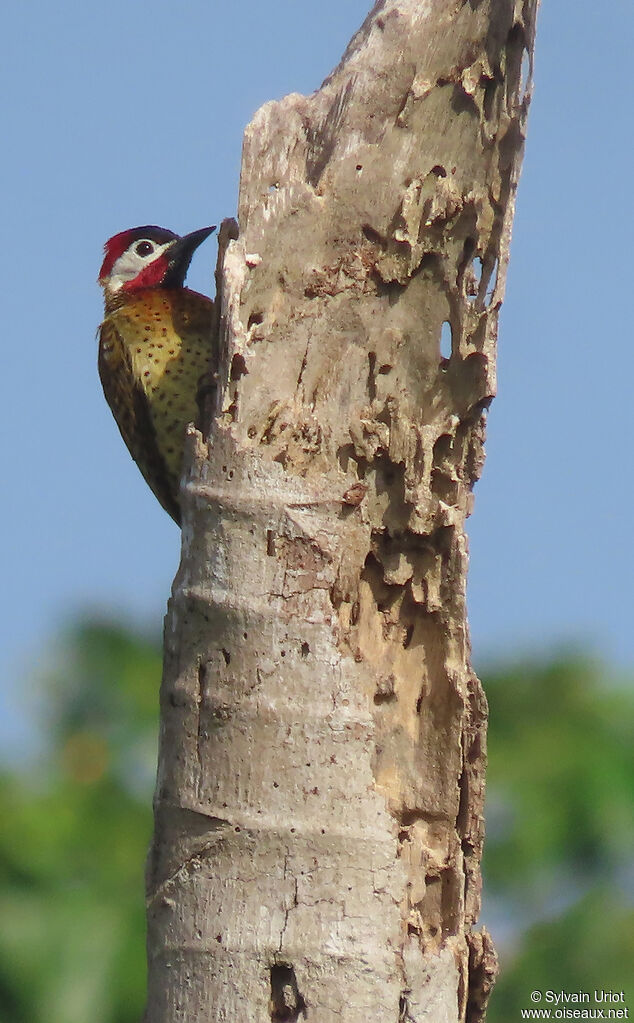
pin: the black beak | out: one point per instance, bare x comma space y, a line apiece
180, 256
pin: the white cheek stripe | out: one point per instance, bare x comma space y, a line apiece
130, 264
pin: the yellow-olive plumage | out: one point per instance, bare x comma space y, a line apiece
153, 351
154, 347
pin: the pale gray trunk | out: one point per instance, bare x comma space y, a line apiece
319, 799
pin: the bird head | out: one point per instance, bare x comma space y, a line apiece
147, 257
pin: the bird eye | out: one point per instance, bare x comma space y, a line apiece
144, 248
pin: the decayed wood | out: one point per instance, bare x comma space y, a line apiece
320, 789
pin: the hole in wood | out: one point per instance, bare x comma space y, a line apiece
446, 341
474, 278
287, 1003
372, 236
238, 366
525, 73
492, 284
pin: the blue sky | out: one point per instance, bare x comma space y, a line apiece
129, 113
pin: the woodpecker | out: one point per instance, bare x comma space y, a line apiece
155, 344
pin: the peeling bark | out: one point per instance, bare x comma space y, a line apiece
319, 799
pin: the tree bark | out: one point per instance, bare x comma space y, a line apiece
319, 798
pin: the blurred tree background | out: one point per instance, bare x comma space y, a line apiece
76, 826
558, 865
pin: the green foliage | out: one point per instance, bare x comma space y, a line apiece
72, 845
560, 829
76, 828
589, 946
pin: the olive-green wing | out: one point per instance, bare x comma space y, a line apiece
129, 407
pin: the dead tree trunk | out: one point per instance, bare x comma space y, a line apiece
319, 798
